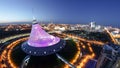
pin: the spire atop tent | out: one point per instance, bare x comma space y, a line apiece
34, 20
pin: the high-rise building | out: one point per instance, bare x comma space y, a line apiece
92, 25
110, 57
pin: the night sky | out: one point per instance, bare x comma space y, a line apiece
104, 12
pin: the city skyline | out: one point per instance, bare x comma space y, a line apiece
66, 45
104, 12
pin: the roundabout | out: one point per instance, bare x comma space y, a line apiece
6, 54
8, 62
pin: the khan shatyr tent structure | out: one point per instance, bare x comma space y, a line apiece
40, 43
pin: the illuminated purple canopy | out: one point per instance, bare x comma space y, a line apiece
40, 38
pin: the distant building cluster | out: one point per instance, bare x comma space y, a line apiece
15, 27
62, 27
92, 26
58, 27
114, 31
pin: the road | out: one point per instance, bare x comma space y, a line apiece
111, 36
80, 63
5, 55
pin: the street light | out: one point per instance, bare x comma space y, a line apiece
25, 61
